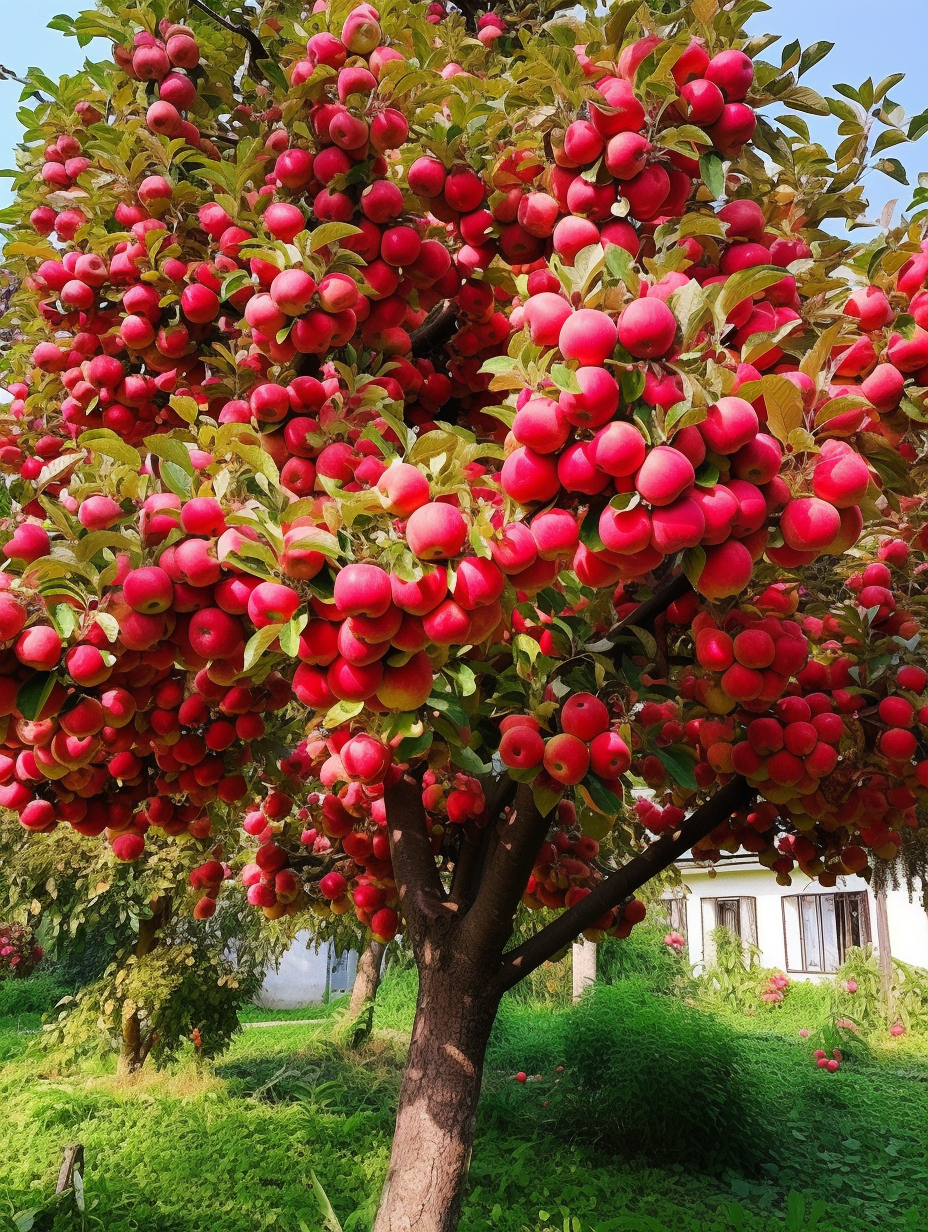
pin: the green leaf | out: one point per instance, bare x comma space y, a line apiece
64, 619
886, 85
545, 798
812, 54
273, 73
801, 98
888, 138
107, 443
589, 532
185, 407
621, 267
328, 1214
694, 561
331, 233
624, 501
171, 450
565, 379
109, 624
683, 416
176, 479
683, 138
258, 459
450, 709
744, 284
712, 170
290, 634
784, 407
412, 746
498, 364
468, 760
33, 695
678, 766
341, 712
600, 796
259, 642
632, 382
463, 677
621, 15
893, 168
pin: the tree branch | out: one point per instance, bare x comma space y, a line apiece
256, 49
488, 925
435, 330
499, 792
518, 963
417, 879
645, 614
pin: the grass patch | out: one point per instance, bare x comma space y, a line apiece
263, 1013
663, 1117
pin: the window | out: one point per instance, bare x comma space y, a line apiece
341, 971
675, 910
821, 928
738, 915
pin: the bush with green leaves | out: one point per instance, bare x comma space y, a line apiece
191, 986
20, 952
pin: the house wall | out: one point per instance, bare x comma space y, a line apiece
300, 978
908, 922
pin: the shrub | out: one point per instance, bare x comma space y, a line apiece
644, 955
19, 953
37, 994
642, 1075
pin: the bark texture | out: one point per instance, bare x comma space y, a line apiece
136, 1043
367, 978
438, 1102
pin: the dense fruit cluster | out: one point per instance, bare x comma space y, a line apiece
357, 395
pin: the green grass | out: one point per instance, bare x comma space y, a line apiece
261, 1013
663, 1118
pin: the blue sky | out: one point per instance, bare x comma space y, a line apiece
870, 40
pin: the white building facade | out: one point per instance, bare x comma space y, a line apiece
804, 929
307, 975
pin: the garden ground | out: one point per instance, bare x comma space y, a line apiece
663, 1117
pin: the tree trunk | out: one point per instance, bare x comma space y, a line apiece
132, 1052
135, 1046
438, 1101
367, 978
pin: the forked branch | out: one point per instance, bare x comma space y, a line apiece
256, 49
566, 927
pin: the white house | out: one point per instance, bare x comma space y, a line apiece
307, 975
803, 929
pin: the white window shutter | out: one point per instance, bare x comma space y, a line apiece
709, 922
793, 931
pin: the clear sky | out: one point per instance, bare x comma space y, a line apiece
870, 40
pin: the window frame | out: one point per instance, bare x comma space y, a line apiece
745, 917
841, 946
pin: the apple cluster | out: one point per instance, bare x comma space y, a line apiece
171, 64
260, 466
586, 744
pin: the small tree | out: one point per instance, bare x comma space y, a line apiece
148, 973
460, 444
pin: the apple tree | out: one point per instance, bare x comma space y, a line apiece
455, 462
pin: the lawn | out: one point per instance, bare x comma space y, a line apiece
663, 1117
